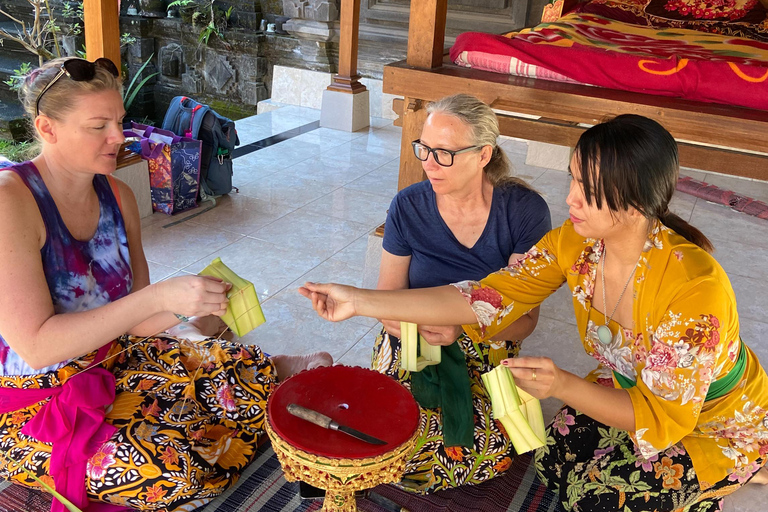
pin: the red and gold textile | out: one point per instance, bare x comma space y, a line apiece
595, 50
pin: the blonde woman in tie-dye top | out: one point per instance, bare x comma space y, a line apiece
147, 420
676, 414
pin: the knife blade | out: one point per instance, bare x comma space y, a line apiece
324, 421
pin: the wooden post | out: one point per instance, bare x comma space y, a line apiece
426, 38
102, 30
413, 117
347, 79
426, 33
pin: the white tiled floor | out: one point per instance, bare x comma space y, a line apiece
305, 209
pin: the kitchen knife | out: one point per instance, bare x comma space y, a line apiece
324, 421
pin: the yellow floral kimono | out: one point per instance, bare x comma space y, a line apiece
686, 336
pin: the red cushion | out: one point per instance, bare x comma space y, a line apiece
365, 400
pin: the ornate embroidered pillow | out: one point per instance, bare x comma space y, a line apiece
741, 18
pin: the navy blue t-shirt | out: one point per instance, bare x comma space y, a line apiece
519, 218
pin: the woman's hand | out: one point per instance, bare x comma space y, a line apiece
392, 327
539, 376
334, 302
193, 295
442, 335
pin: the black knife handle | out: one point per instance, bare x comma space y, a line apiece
312, 416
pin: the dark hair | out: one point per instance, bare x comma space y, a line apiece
638, 163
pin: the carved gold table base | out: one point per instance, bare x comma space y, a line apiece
340, 477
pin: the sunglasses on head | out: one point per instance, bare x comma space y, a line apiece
79, 70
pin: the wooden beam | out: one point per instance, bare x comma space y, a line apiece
102, 30
724, 161
688, 121
426, 33
347, 80
711, 137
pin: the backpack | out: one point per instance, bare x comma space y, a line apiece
187, 117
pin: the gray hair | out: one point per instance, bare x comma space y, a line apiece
484, 127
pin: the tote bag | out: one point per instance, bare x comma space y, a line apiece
174, 167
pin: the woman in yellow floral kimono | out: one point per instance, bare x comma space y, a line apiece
676, 414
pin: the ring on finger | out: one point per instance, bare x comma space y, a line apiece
533, 375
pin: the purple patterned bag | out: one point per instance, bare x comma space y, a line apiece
174, 167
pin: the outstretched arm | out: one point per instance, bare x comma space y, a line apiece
442, 305
523, 326
393, 275
130, 212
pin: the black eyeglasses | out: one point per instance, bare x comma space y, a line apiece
79, 70
443, 157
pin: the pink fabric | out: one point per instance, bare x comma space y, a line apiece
73, 421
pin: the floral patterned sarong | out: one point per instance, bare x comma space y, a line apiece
597, 468
188, 416
433, 466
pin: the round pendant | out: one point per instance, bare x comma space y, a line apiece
604, 334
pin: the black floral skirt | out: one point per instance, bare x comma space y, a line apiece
596, 468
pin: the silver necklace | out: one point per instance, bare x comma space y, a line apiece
604, 333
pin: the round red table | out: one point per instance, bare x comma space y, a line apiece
362, 399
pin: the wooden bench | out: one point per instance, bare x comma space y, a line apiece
712, 137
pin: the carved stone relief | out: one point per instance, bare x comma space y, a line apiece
192, 81
316, 10
495, 16
218, 72
170, 57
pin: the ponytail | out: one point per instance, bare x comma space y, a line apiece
499, 170
682, 228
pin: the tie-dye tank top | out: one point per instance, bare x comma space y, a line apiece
81, 275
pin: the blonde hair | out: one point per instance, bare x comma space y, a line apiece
484, 127
58, 100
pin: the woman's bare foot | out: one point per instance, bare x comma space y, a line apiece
202, 328
761, 477
286, 365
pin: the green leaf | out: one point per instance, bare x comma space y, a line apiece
130, 93
138, 73
64, 501
129, 100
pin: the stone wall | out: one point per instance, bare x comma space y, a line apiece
314, 25
231, 75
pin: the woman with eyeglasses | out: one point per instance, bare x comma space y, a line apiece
146, 421
675, 416
469, 218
